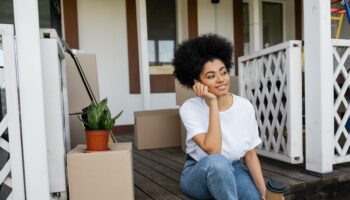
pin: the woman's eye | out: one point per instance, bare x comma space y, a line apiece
224, 73
210, 77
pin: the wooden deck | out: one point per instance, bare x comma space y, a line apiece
157, 173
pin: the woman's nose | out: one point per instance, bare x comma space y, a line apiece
220, 78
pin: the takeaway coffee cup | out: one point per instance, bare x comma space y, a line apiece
275, 190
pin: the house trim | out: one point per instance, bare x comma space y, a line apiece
192, 14
298, 19
70, 18
133, 54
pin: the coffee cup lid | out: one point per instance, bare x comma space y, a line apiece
275, 186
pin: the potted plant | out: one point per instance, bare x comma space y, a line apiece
98, 123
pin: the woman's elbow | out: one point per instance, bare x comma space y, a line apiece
250, 155
213, 150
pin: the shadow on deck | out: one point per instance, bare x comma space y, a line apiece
157, 173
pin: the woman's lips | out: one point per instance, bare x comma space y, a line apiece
221, 87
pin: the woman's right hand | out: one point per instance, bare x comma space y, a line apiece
201, 90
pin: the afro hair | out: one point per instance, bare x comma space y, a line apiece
192, 55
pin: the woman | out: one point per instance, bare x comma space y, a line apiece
221, 127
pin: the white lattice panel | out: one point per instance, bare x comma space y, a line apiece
341, 82
11, 172
265, 79
5, 162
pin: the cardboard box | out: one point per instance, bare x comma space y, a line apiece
104, 175
182, 94
157, 129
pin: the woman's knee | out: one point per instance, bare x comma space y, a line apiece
218, 163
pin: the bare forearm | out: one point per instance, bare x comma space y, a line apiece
213, 139
253, 164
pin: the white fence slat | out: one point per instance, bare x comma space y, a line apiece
5, 171
341, 84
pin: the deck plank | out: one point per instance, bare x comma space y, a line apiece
157, 173
152, 189
161, 160
170, 156
172, 174
139, 194
170, 185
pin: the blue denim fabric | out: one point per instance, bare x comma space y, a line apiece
214, 176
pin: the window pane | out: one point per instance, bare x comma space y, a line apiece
272, 23
6, 14
151, 51
161, 27
166, 51
246, 28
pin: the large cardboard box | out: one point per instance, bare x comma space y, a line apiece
104, 175
157, 129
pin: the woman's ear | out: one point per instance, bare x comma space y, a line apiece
196, 81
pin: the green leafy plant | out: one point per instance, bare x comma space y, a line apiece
98, 117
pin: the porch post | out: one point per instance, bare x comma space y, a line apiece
31, 99
254, 25
318, 86
141, 13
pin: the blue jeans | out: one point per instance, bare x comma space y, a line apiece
214, 176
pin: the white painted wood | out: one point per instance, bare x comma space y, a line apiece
271, 80
31, 95
55, 115
181, 20
318, 86
294, 107
8, 44
341, 82
254, 25
143, 52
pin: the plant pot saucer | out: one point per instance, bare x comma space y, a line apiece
91, 151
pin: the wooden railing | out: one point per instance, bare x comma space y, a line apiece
271, 79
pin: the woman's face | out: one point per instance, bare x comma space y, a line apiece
214, 75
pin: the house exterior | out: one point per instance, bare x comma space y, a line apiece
130, 52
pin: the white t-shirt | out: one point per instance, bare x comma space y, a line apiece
238, 127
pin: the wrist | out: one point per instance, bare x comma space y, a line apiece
212, 102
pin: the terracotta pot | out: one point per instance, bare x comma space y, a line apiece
97, 140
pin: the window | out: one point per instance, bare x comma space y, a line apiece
246, 28
49, 13
161, 26
272, 23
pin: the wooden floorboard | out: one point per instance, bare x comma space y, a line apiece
172, 174
157, 173
152, 189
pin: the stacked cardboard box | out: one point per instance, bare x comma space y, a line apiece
104, 175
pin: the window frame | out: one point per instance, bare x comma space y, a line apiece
284, 28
